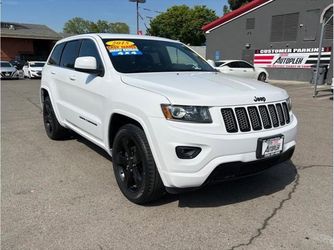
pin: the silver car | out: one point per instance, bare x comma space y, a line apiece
8, 71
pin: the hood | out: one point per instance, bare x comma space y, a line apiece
205, 88
8, 69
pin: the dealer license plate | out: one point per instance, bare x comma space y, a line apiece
268, 147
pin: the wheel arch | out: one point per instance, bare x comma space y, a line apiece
117, 120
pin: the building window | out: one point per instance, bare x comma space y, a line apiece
284, 27
328, 32
250, 23
311, 24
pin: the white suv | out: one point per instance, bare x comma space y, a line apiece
168, 119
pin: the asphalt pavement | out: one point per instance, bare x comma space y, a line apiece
63, 194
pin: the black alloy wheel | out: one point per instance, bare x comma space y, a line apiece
134, 167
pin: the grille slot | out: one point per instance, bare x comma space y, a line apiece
286, 112
273, 115
243, 120
254, 118
280, 114
229, 120
265, 116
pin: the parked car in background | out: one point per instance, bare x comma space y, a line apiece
33, 69
8, 71
242, 69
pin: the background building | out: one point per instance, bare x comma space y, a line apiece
280, 35
21, 41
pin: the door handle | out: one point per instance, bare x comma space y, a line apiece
53, 73
231, 69
245, 70
73, 78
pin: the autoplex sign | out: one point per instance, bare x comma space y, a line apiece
291, 58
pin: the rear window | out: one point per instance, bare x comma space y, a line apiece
70, 53
56, 54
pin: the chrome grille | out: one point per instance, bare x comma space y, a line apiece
245, 119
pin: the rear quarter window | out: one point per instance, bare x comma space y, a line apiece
56, 54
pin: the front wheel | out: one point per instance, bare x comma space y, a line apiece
134, 167
262, 77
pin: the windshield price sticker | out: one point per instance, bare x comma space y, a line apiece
122, 48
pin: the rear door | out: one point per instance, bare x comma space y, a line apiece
84, 94
64, 76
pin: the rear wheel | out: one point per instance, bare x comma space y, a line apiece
262, 77
134, 167
52, 127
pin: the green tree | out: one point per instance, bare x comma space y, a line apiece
235, 4
182, 23
79, 25
226, 9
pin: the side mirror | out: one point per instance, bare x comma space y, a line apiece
212, 63
87, 64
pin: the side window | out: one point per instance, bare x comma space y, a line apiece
55, 56
233, 65
244, 65
88, 48
70, 53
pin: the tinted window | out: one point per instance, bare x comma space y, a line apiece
88, 48
217, 64
55, 56
70, 53
233, 65
244, 65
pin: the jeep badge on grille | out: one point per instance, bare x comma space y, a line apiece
259, 99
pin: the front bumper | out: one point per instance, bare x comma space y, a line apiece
9, 75
217, 150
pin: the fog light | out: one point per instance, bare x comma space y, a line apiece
185, 152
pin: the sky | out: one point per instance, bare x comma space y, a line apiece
54, 13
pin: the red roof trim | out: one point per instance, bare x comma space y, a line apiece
234, 14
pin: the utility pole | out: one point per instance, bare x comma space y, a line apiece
137, 8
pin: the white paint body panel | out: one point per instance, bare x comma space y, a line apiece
86, 103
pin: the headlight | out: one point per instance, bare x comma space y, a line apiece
197, 114
289, 102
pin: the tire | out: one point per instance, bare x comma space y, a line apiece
262, 77
134, 167
52, 127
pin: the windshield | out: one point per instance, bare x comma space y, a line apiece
139, 55
5, 64
39, 64
219, 63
